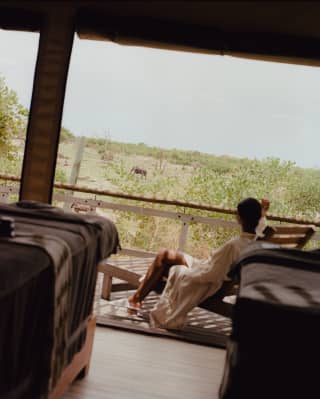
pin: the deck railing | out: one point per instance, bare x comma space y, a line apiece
69, 197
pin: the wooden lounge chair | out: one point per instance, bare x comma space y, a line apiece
289, 236
125, 274
285, 236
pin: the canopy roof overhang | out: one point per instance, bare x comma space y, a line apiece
285, 31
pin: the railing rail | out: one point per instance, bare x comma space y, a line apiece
185, 218
184, 204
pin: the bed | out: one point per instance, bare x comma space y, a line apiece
48, 274
274, 349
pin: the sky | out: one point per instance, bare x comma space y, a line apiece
214, 104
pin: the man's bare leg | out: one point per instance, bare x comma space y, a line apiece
159, 268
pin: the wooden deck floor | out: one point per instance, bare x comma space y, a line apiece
127, 366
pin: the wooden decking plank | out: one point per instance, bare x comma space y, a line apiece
126, 365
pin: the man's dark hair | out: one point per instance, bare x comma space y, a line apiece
249, 211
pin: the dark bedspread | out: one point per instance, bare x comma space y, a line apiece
274, 349
47, 281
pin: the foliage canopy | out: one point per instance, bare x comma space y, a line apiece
13, 118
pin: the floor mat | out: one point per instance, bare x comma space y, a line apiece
202, 327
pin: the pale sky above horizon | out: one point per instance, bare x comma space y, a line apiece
214, 104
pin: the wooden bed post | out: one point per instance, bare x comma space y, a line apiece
55, 45
79, 366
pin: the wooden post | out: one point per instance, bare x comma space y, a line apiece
76, 167
77, 161
55, 45
183, 235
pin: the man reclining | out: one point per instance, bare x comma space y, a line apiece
189, 280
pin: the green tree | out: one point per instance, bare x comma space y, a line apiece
12, 120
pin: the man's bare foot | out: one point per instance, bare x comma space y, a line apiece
134, 305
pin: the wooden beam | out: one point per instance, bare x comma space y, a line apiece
187, 35
20, 19
56, 39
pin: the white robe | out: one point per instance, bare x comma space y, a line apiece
188, 286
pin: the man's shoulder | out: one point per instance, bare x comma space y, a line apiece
237, 242
229, 244
234, 240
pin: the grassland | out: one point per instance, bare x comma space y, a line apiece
188, 176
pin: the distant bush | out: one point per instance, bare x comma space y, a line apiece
10, 166
196, 159
60, 176
66, 135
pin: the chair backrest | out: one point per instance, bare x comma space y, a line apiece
289, 236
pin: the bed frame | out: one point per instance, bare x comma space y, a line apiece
79, 366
